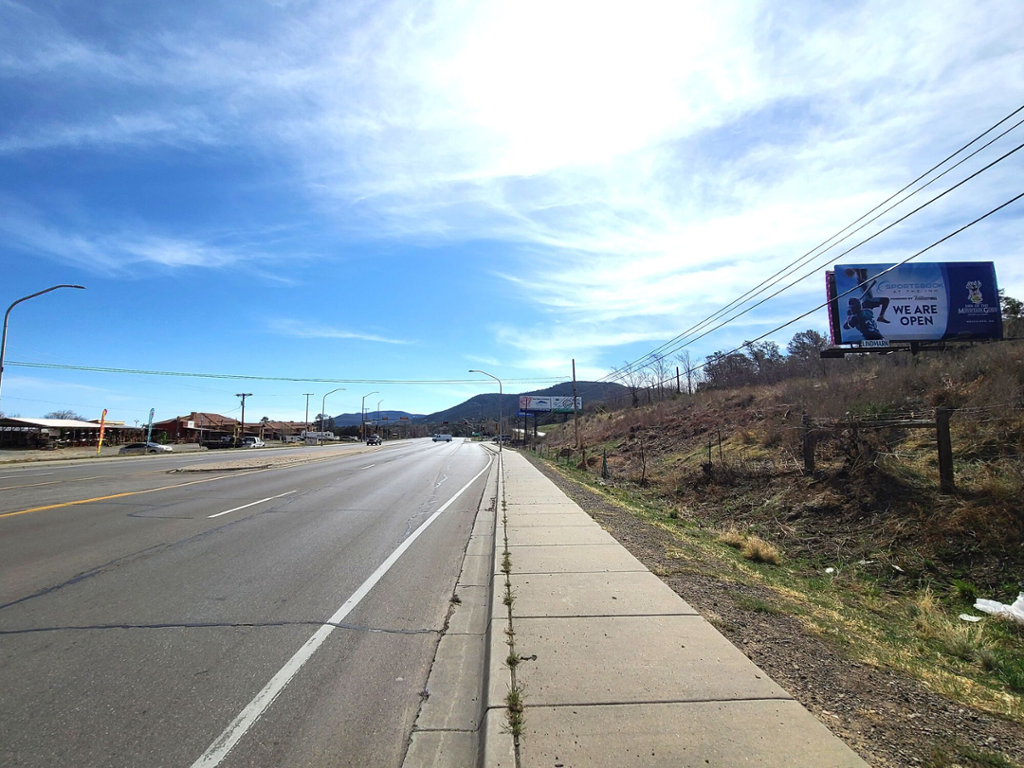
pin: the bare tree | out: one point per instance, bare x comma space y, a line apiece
633, 378
662, 371
67, 414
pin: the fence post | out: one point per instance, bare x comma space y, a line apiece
808, 440
947, 482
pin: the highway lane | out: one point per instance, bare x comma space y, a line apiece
135, 630
42, 474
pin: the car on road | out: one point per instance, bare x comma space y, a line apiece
142, 448
253, 442
374, 440
442, 438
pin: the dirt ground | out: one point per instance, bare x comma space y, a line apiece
887, 718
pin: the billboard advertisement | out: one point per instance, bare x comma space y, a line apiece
548, 404
913, 302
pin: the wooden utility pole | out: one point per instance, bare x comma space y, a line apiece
679, 386
575, 413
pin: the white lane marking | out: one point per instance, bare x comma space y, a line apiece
368, 466
253, 504
26, 472
255, 708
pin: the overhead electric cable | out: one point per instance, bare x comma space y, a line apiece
816, 253
811, 311
242, 377
802, 259
844, 253
851, 290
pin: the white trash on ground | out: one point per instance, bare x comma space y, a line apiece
1015, 611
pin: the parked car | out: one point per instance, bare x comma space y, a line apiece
500, 439
374, 440
442, 438
221, 442
253, 442
142, 448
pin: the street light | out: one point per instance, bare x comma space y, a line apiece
3, 343
323, 412
501, 396
362, 415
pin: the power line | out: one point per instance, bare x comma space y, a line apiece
789, 268
808, 257
846, 293
844, 253
243, 377
938, 242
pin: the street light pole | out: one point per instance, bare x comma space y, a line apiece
323, 413
362, 415
241, 432
3, 342
501, 397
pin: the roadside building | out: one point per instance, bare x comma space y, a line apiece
61, 433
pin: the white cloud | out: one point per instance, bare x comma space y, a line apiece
305, 330
118, 252
643, 167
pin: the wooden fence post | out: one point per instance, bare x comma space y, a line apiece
947, 483
808, 440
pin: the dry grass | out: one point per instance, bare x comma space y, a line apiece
732, 538
753, 548
760, 551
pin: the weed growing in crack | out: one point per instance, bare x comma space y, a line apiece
514, 713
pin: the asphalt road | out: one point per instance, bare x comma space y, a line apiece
228, 619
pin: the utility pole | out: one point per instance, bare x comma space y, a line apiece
308, 395
679, 386
575, 413
243, 395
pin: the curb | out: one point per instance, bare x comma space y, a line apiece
449, 728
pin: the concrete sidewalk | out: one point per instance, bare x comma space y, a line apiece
614, 668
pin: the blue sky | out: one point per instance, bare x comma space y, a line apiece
407, 190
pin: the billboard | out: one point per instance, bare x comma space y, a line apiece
913, 302
548, 404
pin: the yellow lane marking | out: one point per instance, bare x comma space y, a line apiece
53, 482
113, 496
164, 487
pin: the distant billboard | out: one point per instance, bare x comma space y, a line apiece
913, 302
548, 404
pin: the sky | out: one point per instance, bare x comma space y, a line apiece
403, 191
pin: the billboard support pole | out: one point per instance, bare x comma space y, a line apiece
575, 413
947, 482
